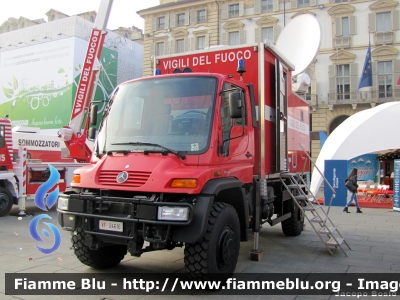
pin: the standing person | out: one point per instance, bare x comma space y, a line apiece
351, 185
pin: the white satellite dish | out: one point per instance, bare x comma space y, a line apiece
299, 41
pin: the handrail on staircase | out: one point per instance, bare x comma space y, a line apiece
322, 175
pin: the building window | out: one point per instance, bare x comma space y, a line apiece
233, 10
267, 33
160, 49
180, 46
180, 19
340, 1
303, 3
385, 73
234, 38
383, 22
308, 93
345, 26
161, 23
266, 6
91, 19
201, 42
201, 16
343, 82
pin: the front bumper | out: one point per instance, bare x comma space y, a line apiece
139, 217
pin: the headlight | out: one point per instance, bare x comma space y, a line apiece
62, 203
173, 213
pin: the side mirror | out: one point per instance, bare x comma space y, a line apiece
91, 133
93, 115
235, 105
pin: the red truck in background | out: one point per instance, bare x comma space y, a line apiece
194, 156
25, 155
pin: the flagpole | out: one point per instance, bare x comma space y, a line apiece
365, 83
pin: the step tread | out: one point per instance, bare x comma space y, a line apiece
326, 231
304, 197
317, 219
295, 186
312, 207
332, 241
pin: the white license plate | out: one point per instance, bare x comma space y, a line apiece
110, 225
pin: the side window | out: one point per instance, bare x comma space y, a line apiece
226, 121
239, 122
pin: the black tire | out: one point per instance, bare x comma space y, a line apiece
294, 225
6, 201
218, 250
105, 257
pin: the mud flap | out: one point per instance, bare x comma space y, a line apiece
197, 228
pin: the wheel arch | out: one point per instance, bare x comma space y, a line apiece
231, 191
7, 184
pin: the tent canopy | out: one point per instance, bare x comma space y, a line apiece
367, 131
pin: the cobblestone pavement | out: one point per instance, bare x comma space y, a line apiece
374, 237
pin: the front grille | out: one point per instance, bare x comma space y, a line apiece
135, 179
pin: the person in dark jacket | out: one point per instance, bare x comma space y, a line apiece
352, 188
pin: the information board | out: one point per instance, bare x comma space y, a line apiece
335, 173
396, 204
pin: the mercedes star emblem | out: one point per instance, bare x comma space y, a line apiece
122, 177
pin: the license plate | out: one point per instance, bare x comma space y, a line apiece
110, 225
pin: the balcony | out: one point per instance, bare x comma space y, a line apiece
383, 38
342, 42
370, 97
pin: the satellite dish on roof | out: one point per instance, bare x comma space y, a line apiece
299, 41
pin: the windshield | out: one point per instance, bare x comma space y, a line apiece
175, 113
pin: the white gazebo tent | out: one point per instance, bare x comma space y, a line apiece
372, 130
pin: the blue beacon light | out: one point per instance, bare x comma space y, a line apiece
241, 68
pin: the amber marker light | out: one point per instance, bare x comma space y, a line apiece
77, 178
184, 183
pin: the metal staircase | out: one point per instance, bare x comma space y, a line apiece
319, 220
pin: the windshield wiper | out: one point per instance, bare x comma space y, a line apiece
181, 154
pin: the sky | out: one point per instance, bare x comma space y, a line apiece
123, 12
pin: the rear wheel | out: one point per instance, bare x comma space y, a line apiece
217, 252
6, 201
294, 225
105, 257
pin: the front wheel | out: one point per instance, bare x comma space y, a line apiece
218, 250
6, 201
105, 257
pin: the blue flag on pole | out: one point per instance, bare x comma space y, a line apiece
366, 76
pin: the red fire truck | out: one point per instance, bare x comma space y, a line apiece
25, 153
193, 156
